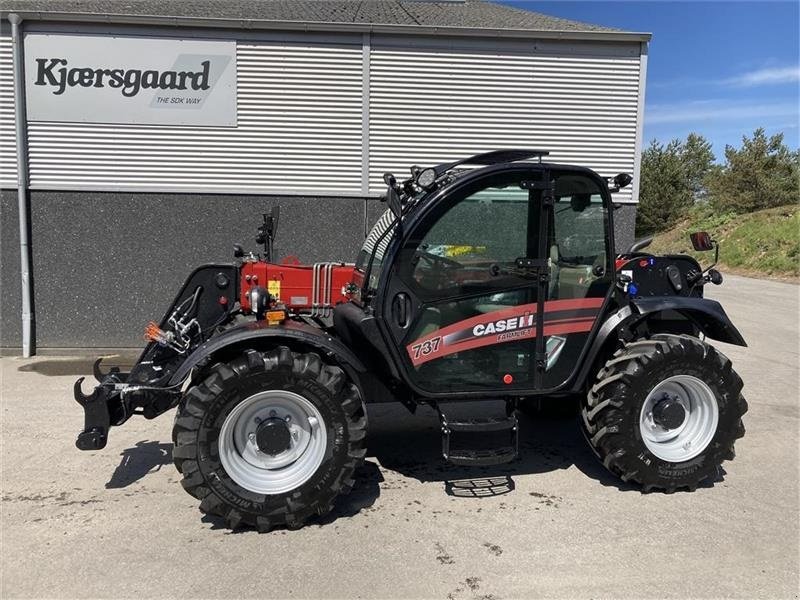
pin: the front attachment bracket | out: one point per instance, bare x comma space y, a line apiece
102, 408
96, 417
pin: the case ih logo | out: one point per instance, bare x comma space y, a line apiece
56, 72
561, 317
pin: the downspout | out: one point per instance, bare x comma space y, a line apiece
20, 119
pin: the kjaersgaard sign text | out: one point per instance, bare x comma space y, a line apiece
102, 79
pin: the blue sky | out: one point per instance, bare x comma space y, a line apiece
720, 68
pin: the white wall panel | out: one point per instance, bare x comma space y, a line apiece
299, 131
8, 137
431, 105
300, 118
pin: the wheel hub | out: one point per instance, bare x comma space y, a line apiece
669, 413
273, 436
272, 442
679, 418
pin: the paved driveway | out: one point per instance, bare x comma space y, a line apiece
116, 523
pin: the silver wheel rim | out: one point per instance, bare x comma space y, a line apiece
264, 473
692, 436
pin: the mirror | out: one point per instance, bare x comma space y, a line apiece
622, 180
392, 198
701, 241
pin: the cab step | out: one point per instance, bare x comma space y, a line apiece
484, 456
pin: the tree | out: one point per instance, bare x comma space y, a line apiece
761, 174
698, 159
672, 178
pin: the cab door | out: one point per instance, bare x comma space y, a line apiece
474, 301
459, 306
581, 274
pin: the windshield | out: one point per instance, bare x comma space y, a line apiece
370, 257
374, 249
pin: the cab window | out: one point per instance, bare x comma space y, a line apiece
579, 250
473, 240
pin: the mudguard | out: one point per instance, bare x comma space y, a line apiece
261, 330
708, 315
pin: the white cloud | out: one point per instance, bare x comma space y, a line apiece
760, 77
718, 110
765, 76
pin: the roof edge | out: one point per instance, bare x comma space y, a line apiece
264, 24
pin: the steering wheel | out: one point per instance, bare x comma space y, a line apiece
438, 262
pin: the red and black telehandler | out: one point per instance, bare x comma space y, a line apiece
489, 278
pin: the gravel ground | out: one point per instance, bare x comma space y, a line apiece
116, 523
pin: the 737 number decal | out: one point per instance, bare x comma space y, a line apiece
425, 348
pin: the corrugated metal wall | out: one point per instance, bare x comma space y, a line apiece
431, 105
8, 136
299, 131
300, 126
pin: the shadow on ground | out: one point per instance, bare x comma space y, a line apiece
143, 458
411, 445
73, 366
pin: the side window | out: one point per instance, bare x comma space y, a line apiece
579, 248
580, 229
486, 230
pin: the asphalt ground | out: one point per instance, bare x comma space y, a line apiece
116, 523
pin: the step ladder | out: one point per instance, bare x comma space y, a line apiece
474, 426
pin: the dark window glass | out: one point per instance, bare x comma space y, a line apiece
579, 249
486, 230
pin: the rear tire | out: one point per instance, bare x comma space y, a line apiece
671, 452
286, 476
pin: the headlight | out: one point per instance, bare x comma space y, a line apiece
259, 301
427, 178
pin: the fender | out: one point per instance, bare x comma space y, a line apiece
708, 315
260, 330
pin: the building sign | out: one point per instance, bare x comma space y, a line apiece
138, 80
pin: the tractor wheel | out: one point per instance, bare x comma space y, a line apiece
665, 412
270, 438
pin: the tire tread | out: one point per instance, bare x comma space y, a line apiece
601, 410
295, 510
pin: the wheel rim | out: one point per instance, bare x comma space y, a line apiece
701, 416
284, 470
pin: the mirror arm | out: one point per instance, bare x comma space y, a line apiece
716, 255
716, 258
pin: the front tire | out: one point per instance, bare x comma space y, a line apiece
270, 438
665, 412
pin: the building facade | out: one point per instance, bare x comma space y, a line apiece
154, 141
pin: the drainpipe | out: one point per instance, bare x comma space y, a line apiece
22, 182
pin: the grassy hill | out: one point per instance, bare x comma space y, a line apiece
765, 243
